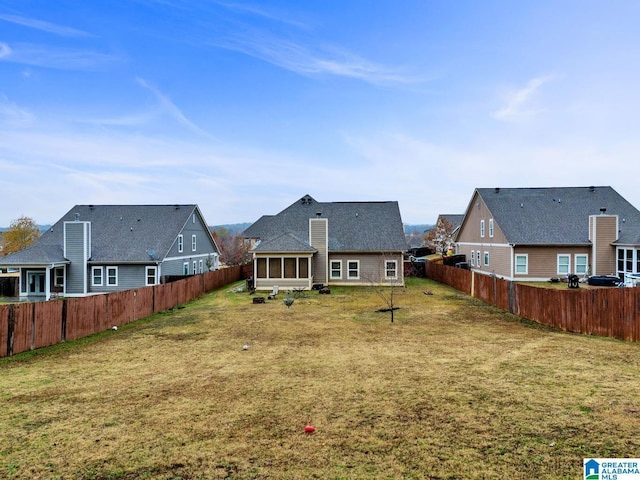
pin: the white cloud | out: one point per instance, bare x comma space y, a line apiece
54, 57
295, 57
519, 103
172, 109
12, 115
44, 26
5, 51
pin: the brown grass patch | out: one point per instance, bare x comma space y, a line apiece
452, 389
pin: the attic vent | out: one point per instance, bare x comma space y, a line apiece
592, 188
603, 210
318, 214
497, 190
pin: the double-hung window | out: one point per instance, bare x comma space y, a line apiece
478, 258
180, 243
486, 259
491, 227
150, 274
336, 269
391, 269
96, 276
564, 264
112, 276
522, 264
482, 228
473, 258
353, 269
193, 243
581, 264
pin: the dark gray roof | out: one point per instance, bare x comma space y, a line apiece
285, 242
454, 219
557, 215
119, 233
353, 226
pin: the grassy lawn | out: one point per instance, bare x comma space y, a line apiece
453, 389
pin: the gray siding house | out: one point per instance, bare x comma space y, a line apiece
328, 243
104, 248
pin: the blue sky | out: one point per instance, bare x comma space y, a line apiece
244, 107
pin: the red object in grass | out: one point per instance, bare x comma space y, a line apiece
309, 429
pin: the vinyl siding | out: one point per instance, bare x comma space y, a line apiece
129, 276
603, 231
371, 268
318, 238
77, 250
543, 261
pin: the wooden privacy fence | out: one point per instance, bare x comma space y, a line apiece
608, 312
27, 326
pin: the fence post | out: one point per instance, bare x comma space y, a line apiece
63, 334
473, 283
512, 296
12, 326
32, 345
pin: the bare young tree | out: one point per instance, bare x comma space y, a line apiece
387, 283
22, 232
440, 237
233, 249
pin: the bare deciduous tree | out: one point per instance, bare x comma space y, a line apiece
233, 249
440, 237
387, 283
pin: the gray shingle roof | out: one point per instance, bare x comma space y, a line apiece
353, 226
557, 215
119, 233
285, 242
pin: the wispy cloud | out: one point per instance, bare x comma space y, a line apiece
53, 57
519, 102
12, 115
44, 26
171, 108
297, 58
253, 10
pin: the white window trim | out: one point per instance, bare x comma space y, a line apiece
339, 269
195, 267
200, 266
185, 268
486, 259
482, 228
147, 272
180, 243
526, 264
107, 276
93, 278
478, 260
193, 242
586, 263
473, 258
349, 277
395, 269
491, 227
568, 257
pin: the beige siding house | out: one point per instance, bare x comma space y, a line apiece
536, 234
328, 243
